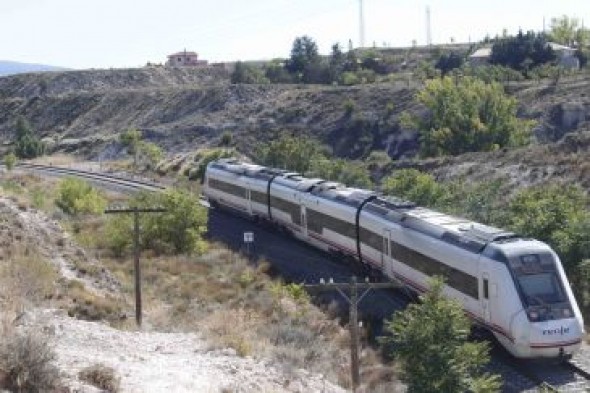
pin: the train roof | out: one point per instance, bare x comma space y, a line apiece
461, 232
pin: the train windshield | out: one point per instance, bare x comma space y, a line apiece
541, 289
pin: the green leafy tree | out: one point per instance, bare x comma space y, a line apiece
150, 154
305, 62
276, 72
468, 115
180, 228
556, 214
248, 73
350, 173
130, 139
337, 63
27, 145
449, 61
205, 159
75, 197
10, 160
290, 152
303, 53
430, 339
413, 185
569, 31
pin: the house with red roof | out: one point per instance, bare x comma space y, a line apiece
185, 59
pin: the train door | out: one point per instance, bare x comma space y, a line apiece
486, 296
386, 265
248, 198
303, 220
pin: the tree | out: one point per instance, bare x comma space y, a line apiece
569, 31
147, 153
413, 185
430, 339
75, 197
556, 214
10, 160
130, 139
150, 154
522, 52
305, 62
337, 62
350, 173
180, 228
275, 72
290, 152
468, 115
247, 73
27, 145
303, 53
448, 62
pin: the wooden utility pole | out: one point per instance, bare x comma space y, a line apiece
136, 251
353, 300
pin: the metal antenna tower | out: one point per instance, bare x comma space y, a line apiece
428, 31
361, 25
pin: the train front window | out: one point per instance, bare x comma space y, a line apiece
541, 289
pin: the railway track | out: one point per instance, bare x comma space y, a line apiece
118, 181
524, 376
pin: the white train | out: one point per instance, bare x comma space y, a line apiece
513, 286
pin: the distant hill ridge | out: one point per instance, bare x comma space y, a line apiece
15, 67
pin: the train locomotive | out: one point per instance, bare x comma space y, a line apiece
513, 286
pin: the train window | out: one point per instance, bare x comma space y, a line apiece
541, 289
486, 290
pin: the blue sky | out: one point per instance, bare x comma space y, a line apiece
124, 33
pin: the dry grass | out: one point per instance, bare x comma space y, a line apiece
26, 362
101, 376
26, 278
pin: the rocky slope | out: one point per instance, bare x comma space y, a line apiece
145, 360
182, 109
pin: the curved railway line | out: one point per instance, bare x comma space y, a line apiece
133, 184
518, 375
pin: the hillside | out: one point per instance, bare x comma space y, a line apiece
182, 109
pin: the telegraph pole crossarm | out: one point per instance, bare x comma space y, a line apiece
353, 300
136, 251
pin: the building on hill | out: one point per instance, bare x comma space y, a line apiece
480, 57
566, 56
185, 59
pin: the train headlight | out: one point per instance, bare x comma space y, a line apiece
567, 313
534, 315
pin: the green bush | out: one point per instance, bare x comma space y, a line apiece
10, 160
411, 184
466, 115
27, 145
75, 196
177, 230
431, 341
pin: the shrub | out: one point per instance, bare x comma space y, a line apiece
101, 376
468, 115
177, 230
27, 145
418, 187
10, 161
27, 359
76, 196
